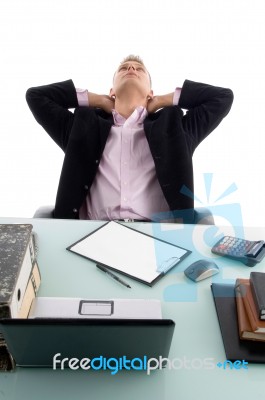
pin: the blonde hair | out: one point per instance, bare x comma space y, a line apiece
132, 57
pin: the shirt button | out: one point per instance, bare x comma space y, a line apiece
86, 187
96, 161
75, 210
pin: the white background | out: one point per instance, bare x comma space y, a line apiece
216, 42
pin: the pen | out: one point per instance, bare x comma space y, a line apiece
113, 276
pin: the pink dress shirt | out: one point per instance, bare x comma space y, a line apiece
125, 185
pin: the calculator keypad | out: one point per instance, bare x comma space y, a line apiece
232, 246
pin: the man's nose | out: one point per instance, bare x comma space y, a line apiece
131, 66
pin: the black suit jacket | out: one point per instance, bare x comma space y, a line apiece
172, 136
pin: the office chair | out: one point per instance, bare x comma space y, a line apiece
202, 215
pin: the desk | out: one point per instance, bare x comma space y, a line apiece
197, 336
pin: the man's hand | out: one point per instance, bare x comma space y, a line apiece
107, 103
153, 104
158, 102
102, 101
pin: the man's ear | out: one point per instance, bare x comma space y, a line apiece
111, 93
150, 95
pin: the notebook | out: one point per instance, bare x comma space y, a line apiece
130, 252
235, 348
35, 342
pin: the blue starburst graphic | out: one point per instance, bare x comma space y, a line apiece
199, 241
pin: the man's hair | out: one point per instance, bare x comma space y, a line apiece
132, 57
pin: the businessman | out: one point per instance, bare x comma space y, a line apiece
128, 155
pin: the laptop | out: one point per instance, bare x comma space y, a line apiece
35, 342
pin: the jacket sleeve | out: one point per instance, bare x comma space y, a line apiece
50, 106
207, 105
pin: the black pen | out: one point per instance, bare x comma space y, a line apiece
113, 276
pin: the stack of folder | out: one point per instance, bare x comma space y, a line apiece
250, 296
241, 314
19, 278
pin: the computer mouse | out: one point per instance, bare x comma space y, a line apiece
201, 269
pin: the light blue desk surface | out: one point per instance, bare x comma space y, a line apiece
197, 335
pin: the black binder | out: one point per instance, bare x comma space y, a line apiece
34, 342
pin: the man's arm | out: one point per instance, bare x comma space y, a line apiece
89, 99
49, 105
207, 105
102, 101
158, 102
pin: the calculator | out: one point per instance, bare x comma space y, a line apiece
246, 251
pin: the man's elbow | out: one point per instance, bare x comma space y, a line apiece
230, 95
29, 95
227, 100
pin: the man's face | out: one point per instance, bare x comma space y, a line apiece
131, 74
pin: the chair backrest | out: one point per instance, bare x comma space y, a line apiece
202, 215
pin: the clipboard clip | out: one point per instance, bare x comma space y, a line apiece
167, 264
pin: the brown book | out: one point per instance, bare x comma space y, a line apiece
256, 324
244, 327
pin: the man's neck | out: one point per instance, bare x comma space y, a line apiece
126, 104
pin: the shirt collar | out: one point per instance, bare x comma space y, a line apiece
136, 118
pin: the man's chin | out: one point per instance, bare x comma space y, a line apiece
131, 86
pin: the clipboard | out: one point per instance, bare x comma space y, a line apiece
125, 250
